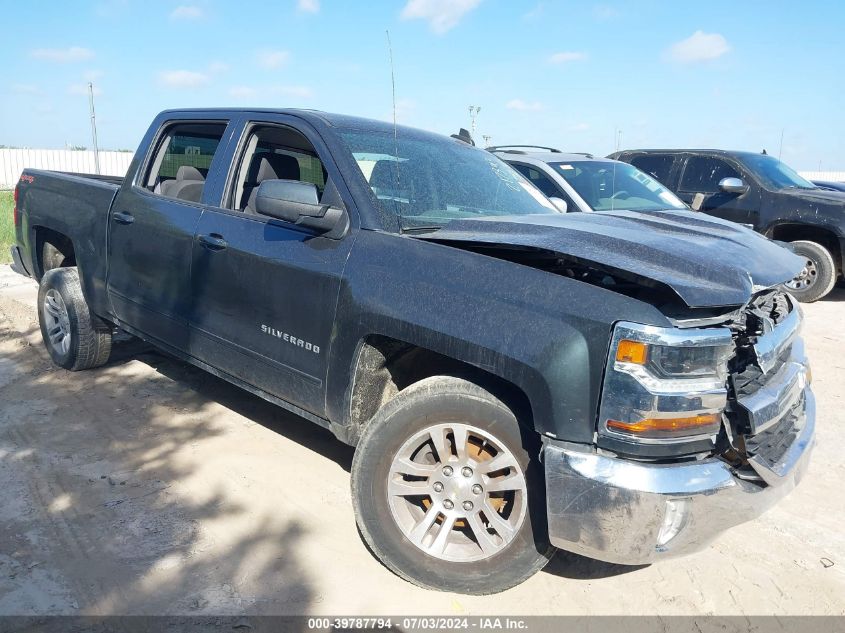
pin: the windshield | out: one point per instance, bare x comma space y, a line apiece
427, 181
608, 185
776, 174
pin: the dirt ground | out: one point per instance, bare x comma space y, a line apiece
150, 487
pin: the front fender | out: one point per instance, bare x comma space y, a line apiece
544, 333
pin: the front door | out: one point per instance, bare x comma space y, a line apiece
699, 188
265, 291
151, 230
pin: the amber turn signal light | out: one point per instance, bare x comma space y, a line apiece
668, 427
632, 352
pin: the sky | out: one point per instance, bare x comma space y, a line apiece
573, 74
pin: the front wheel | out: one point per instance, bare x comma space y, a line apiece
818, 276
75, 338
448, 492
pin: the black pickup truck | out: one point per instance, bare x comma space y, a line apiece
761, 191
514, 379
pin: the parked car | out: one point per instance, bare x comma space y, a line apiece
829, 185
514, 379
761, 191
582, 182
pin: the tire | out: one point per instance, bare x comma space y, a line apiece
74, 338
819, 275
514, 550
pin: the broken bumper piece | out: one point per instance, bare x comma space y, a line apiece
629, 512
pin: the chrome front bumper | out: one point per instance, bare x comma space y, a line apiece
629, 512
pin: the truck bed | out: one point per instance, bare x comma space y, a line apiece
74, 205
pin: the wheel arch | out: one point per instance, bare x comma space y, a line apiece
383, 366
53, 249
794, 231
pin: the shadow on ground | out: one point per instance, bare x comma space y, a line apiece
89, 521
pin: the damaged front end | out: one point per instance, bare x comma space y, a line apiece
768, 389
679, 459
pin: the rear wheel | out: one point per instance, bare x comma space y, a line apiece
446, 492
818, 277
74, 338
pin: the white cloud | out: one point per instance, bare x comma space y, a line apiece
441, 15
242, 92
182, 79
567, 56
82, 89
524, 106
308, 6
698, 47
187, 12
63, 55
272, 59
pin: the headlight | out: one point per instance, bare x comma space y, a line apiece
665, 385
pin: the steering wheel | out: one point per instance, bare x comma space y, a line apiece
620, 195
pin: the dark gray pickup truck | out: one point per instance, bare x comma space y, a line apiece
760, 191
514, 379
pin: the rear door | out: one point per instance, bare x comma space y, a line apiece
151, 229
699, 188
265, 291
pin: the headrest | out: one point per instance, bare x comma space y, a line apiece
187, 172
271, 166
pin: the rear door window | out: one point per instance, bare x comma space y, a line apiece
702, 174
658, 166
182, 158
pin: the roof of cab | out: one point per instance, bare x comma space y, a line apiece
312, 116
715, 152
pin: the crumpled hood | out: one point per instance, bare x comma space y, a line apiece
707, 261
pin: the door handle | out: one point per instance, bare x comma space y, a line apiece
213, 241
122, 217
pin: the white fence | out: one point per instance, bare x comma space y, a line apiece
14, 161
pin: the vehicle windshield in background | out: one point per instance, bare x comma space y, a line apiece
775, 173
428, 182
606, 186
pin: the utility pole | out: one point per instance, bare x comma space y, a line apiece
780, 149
487, 138
94, 127
473, 113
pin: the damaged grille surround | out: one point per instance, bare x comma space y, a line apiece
768, 387
763, 388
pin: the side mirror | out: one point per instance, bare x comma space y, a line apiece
733, 185
560, 203
297, 202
